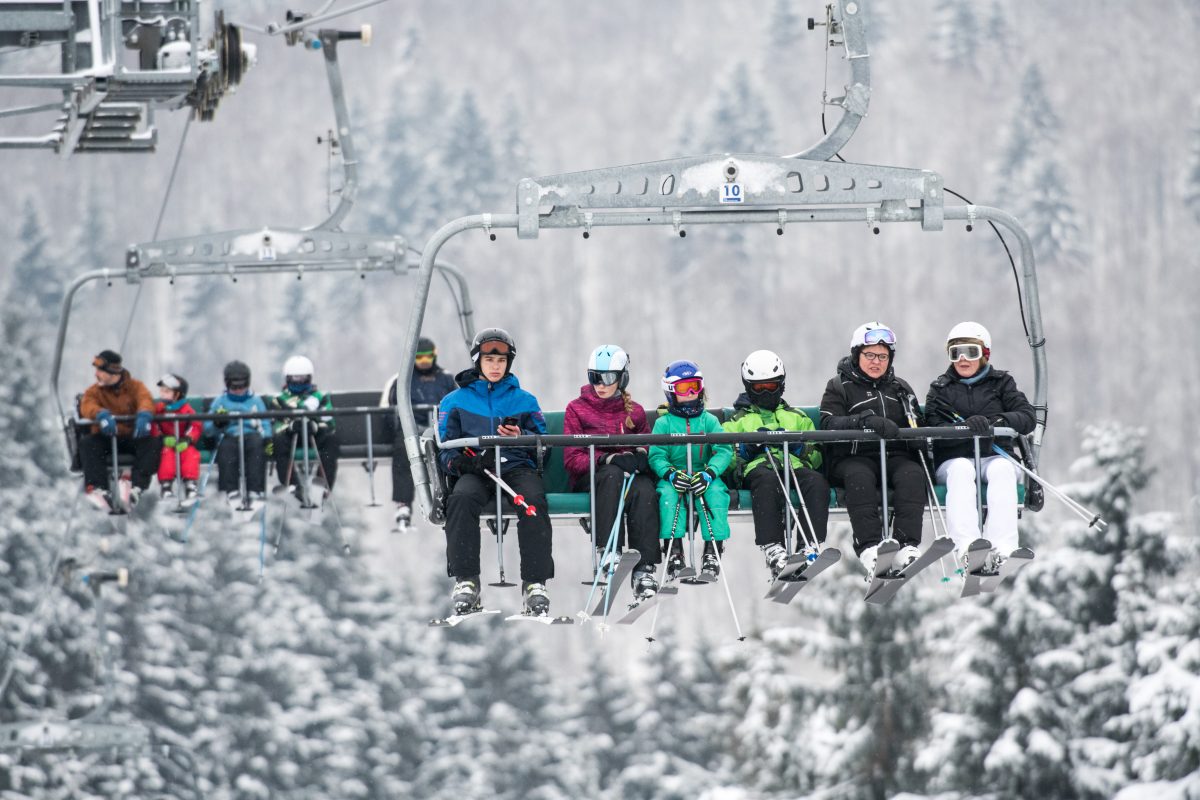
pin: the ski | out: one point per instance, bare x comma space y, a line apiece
937, 550
456, 619
828, 557
544, 619
883, 565
973, 581
795, 563
1019, 559
616, 579
636, 610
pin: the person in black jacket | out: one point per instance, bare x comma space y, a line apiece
866, 395
428, 385
974, 393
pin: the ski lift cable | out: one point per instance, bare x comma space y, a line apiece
46, 589
162, 210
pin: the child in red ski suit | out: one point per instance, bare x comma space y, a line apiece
177, 437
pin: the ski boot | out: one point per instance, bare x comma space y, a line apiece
905, 556
466, 597
675, 561
189, 490
606, 565
135, 494
537, 599
403, 517
776, 557
644, 584
868, 557
257, 498
100, 498
165, 492
993, 562
711, 563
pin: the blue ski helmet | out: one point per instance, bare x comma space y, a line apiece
608, 364
676, 372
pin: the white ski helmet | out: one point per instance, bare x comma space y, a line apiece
870, 333
762, 365
970, 331
609, 364
299, 366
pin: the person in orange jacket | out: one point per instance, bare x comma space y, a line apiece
116, 394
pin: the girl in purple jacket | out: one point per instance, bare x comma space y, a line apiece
605, 407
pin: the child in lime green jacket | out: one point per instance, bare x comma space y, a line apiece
683, 385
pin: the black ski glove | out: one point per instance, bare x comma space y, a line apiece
881, 425
681, 480
627, 462
701, 481
1000, 420
643, 459
465, 464
979, 425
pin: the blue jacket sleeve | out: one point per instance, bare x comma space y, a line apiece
210, 429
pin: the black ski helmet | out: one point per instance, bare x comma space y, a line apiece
237, 375
425, 345
503, 345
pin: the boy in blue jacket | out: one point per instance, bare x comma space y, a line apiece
491, 402
238, 399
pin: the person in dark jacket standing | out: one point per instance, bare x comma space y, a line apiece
427, 386
974, 393
866, 395
605, 407
491, 402
116, 393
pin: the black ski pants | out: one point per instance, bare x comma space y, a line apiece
328, 450
95, 455
640, 527
471, 495
767, 497
402, 479
228, 463
859, 475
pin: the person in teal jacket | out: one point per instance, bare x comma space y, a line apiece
683, 385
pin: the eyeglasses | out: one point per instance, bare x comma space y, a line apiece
604, 377
879, 336
876, 356
688, 386
971, 352
765, 386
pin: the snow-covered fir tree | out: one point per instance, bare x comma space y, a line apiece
956, 33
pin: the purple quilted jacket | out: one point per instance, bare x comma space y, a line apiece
589, 414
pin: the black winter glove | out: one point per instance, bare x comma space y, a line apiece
627, 462
1000, 420
465, 464
979, 425
881, 425
643, 459
681, 480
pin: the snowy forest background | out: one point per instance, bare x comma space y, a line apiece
1083, 118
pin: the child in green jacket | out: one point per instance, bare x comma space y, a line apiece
678, 484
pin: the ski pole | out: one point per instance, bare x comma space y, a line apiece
662, 578
245, 504
203, 485
609, 548
788, 504
178, 471
1082, 511
518, 499
337, 517
691, 501
910, 414
368, 419
717, 550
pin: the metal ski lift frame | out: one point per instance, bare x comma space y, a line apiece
106, 106
321, 248
737, 189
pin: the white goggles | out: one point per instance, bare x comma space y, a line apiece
971, 352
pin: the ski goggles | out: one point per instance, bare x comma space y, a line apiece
687, 386
971, 352
604, 377
493, 348
764, 386
424, 358
879, 336
169, 381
